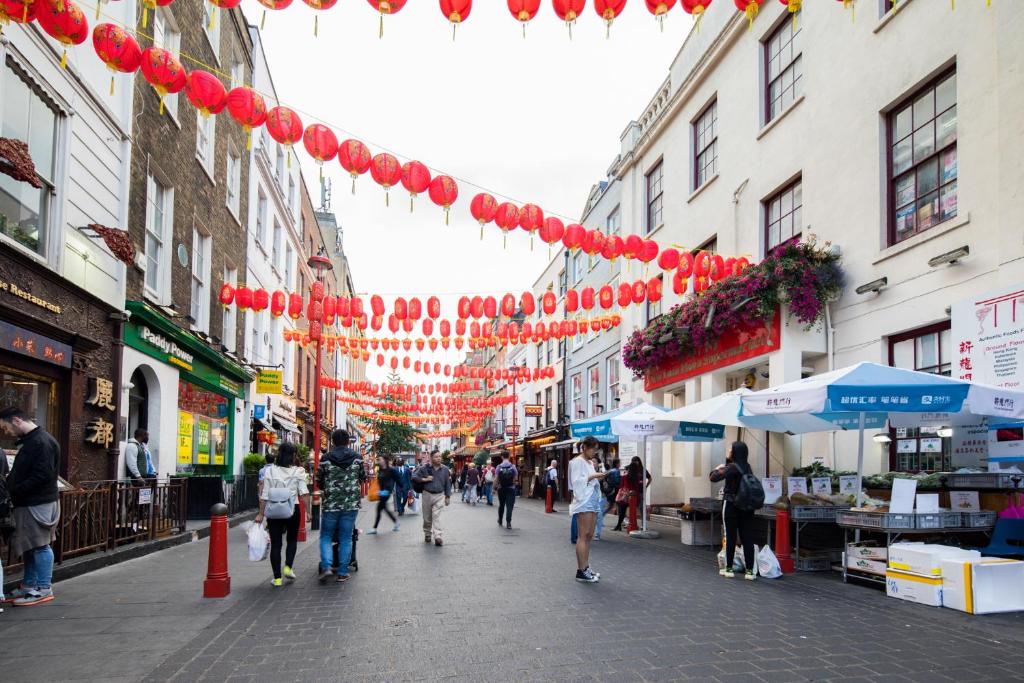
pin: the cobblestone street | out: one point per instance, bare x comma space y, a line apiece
496, 605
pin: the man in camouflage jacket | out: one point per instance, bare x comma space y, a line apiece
338, 479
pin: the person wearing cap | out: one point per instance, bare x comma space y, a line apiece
339, 477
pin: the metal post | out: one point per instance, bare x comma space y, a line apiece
218, 581
644, 531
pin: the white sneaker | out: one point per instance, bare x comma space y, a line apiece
586, 576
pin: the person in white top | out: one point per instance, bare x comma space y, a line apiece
585, 483
284, 474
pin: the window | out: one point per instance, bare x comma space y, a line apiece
653, 308
276, 252
705, 145
279, 164
921, 449
561, 348
261, 218
578, 267
654, 198
159, 219
783, 66
291, 205
275, 333
234, 181
230, 316
289, 259
205, 128
211, 27
257, 324
922, 159
782, 215
25, 115
577, 396
547, 407
548, 350
237, 74
613, 224
560, 390
563, 284
200, 280
594, 386
612, 373
167, 36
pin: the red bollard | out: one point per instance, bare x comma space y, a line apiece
302, 520
549, 505
218, 583
782, 542
632, 524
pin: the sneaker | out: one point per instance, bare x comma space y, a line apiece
276, 583
34, 597
597, 538
585, 576
721, 572
17, 593
750, 575
325, 574
438, 542
499, 521
288, 573
342, 578
597, 574
508, 525
427, 539
371, 532
396, 527
728, 573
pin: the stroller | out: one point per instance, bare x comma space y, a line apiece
353, 563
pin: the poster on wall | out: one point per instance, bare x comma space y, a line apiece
931, 445
202, 441
185, 426
906, 446
988, 338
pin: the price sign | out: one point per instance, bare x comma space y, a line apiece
796, 485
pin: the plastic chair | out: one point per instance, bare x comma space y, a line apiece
1007, 539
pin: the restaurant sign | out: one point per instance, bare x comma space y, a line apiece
25, 343
533, 409
734, 346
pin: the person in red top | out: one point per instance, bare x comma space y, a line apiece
632, 487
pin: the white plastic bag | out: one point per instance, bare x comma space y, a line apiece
737, 560
259, 542
767, 564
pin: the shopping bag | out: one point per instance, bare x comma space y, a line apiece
737, 560
373, 494
259, 542
767, 564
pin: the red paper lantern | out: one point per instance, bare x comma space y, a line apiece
446, 328
285, 126
679, 282
606, 297
278, 303
64, 21
551, 231
625, 297
476, 307
294, 305
260, 300
648, 251
506, 218
443, 192
247, 108
632, 246
612, 248
741, 265
357, 307
415, 179
415, 309
587, 298
483, 208
531, 218
456, 11
18, 11
354, 157
548, 302
568, 11
205, 92
528, 304
490, 307
659, 8
572, 301
749, 8
695, 8
227, 294
401, 308
716, 269
609, 10
524, 11
386, 7
377, 305
163, 71
654, 286
243, 298
433, 307
276, 5
113, 45
463, 308
321, 143
574, 236
702, 263
508, 305
386, 172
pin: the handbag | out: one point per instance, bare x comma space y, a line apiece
623, 495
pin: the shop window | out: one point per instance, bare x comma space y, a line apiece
34, 394
167, 36
922, 159
205, 129
783, 66
594, 386
654, 198
783, 215
612, 373
25, 212
921, 449
577, 397
159, 222
205, 415
613, 224
705, 145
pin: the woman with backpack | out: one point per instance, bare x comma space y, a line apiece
283, 483
386, 477
609, 489
738, 519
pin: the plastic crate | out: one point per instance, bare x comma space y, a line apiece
811, 513
984, 480
814, 564
928, 520
982, 519
952, 520
875, 520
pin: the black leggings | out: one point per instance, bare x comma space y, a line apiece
623, 508
382, 505
506, 501
278, 528
742, 522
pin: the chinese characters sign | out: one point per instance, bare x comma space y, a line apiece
25, 343
988, 338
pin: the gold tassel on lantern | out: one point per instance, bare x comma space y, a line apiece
111, 86
145, 15
64, 59
751, 12
263, 19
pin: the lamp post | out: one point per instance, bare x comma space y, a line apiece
319, 263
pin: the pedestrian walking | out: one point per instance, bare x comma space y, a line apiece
489, 468
386, 477
6, 521
737, 521
463, 476
32, 487
631, 488
338, 478
506, 475
551, 480
585, 482
283, 483
473, 478
403, 484
436, 482
609, 489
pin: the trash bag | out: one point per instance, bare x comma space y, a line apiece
259, 542
767, 564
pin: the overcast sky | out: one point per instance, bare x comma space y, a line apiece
537, 120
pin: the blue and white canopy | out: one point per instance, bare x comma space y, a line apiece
638, 421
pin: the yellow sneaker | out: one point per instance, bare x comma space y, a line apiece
276, 583
288, 573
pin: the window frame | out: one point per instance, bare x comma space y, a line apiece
907, 103
576, 387
785, 23
233, 182
593, 389
207, 162
578, 268
653, 310
262, 214
211, 28
612, 369
199, 291
766, 206
649, 199
277, 247
613, 227
711, 108
229, 318
163, 258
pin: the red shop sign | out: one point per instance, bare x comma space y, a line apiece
735, 346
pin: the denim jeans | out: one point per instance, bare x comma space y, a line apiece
600, 517
38, 567
337, 525
489, 492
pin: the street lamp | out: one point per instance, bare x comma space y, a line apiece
319, 263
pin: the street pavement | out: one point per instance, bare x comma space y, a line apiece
492, 604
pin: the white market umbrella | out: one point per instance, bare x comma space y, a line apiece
641, 423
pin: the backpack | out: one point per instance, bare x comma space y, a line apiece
417, 486
489, 477
281, 502
506, 477
611, 482
750, 495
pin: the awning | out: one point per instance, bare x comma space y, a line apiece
560, 444
286, 425
263, 424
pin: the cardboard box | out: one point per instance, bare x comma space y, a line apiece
923, 558
868, 552
862, 564
924, 590
983, 585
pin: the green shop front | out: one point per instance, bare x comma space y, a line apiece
185, 391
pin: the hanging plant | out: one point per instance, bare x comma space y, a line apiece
800, 274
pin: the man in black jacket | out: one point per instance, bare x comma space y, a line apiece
32, 485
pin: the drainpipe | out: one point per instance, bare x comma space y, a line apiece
830, 352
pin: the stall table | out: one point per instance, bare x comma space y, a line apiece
801, 516
712, 507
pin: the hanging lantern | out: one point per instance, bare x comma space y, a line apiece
551, 231
285, 126
686, 263
609, 10
659, 8
528, 304
668, 259
222, 4
476, 308
593, 240
357, 307
648, 251
354, 157
568, 11
443, 192
750, 9
247, 108
428, 327
587, 298
456, 11
740, 265
151, 5
548, 302
377, 305
113, 45
386, 7
793, 6
654, 290
294, 305
574, 236
401, 307
506, 218
716, 269
415, 309
613, 247
163, 71
205, 92
64, 21
243, 298
314, 312
606, 297
625, 295
415, 179
702, 263
274, 5
639, 291
227, 294
260, 300
386, 172
572, 301
463, 308
321, 143
490, 307
531, 218
446, 328
524, 11
278, 303
316, 291
434, 307
632, 246
696, 9
483, 208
